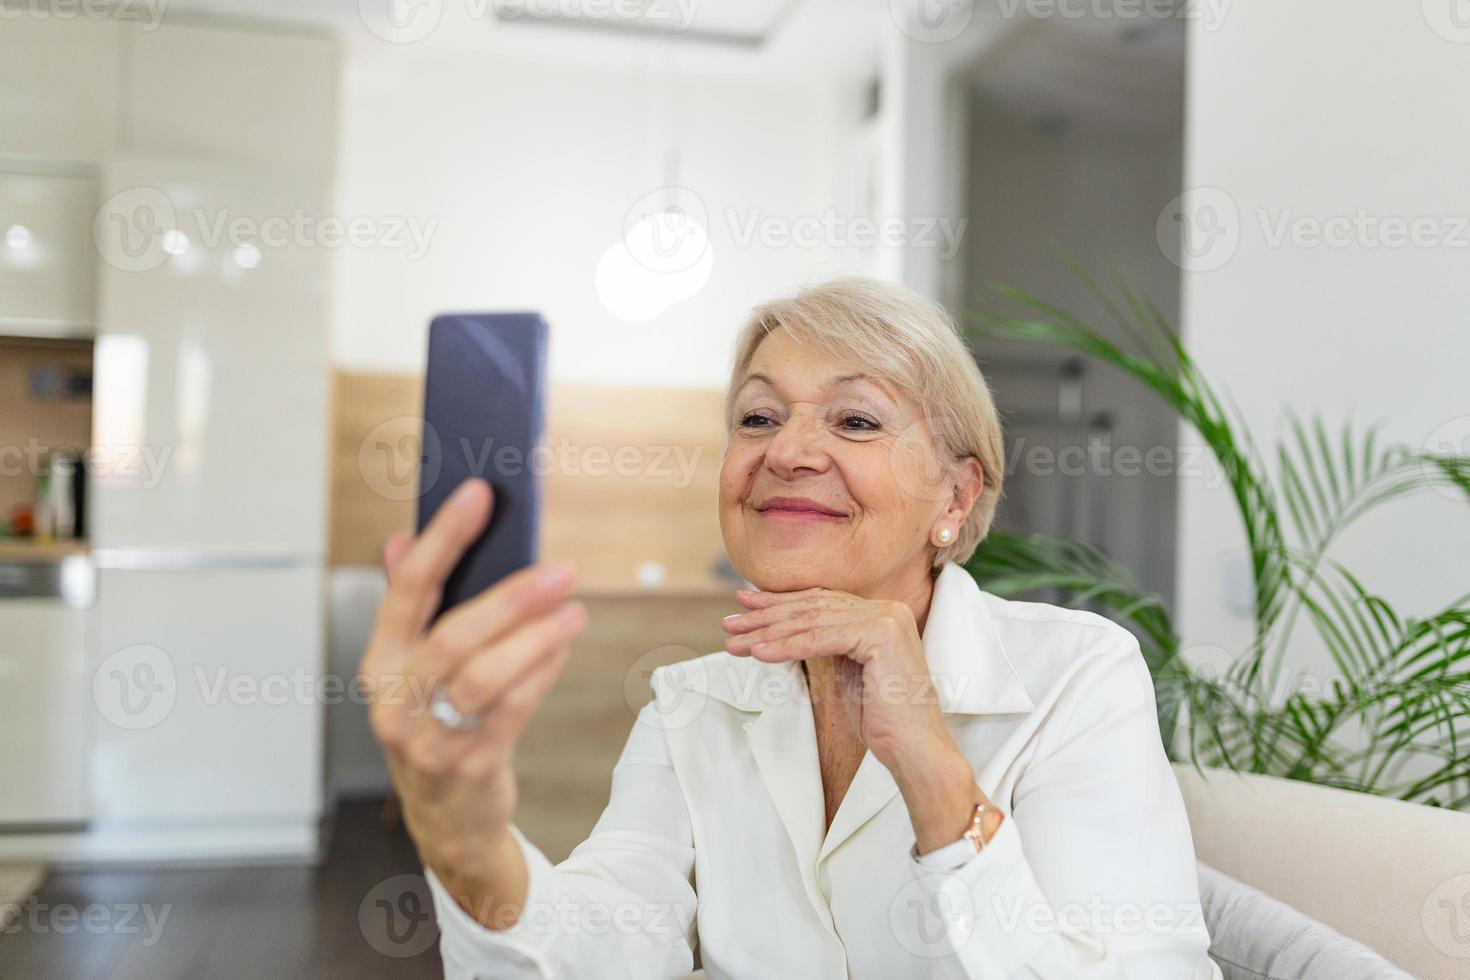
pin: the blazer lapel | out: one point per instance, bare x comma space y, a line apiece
783, 740
871, 789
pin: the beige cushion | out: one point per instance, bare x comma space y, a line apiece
1392, 875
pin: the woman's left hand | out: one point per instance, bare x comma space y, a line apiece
887, 689
878, 659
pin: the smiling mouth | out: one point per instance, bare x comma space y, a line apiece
798, 509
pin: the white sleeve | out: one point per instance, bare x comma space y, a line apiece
1091, 876
622, 904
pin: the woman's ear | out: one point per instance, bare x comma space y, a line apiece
968, 482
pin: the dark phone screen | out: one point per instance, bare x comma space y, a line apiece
483, 418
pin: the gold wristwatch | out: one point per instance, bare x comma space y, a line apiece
976, 834
960, 851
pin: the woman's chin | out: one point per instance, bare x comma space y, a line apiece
794, 571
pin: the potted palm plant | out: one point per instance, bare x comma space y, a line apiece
1395, 721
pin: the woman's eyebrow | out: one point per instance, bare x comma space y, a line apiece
833, 382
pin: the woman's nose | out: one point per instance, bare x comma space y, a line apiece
799, 445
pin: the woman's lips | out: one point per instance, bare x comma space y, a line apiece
798, 516
799, 510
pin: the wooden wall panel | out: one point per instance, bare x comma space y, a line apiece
373, 473
629, 477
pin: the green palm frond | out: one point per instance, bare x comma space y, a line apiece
1392, 713
1159, 361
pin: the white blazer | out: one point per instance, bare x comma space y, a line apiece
713, 837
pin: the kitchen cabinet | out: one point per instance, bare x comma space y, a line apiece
238, 95
48, 265
59, 89
44, 709
215, 374
205, 685
151, 147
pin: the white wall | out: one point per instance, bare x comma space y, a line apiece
1323, 108
529, 170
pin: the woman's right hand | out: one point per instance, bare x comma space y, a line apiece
496, 656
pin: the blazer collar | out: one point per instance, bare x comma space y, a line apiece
971, 670
972, 676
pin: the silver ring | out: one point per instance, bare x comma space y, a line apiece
446, 714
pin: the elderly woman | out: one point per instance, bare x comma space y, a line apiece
886, 773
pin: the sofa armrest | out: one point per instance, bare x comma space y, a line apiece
1392, 875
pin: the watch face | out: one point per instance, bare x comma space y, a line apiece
976, 833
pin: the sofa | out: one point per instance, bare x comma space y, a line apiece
1303, 881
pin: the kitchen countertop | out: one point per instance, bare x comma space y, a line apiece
24, 549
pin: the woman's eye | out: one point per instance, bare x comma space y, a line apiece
859, 423
753, 421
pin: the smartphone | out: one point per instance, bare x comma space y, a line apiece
483, 418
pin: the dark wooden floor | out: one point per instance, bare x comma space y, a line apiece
365, 912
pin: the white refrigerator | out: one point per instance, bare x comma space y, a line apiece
207, 512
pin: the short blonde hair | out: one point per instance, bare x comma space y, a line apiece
912, 343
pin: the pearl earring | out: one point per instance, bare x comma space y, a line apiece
944, 535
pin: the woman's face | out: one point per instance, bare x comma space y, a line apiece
830, 477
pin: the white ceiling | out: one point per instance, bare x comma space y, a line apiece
789, 38
1102, 70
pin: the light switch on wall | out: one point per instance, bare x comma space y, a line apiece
1240, 585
